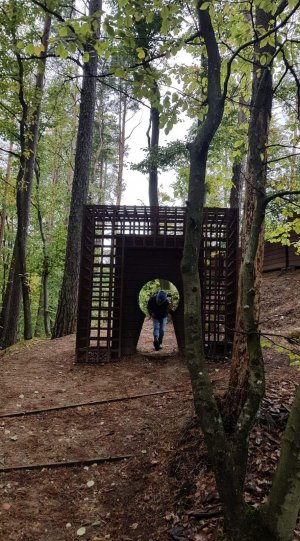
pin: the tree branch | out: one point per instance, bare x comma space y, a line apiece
10, 152
257, 40
269, 198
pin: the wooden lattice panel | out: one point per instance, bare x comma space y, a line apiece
123, 248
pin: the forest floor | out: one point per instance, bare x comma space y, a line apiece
155, 483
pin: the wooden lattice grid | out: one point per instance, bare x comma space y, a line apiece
109, 232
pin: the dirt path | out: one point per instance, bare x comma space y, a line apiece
131, 499
53, 504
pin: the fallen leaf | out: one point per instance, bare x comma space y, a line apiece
6, 506
81, 531
90, 483
14, 438
134, 525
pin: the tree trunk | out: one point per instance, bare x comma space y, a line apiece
46, 270
6, 264
39, 324
11, 303
282, 509
29, 129
121, 146
227, 450
235, 198
67, 305
153, 141
4, 200
219, 449
100, 147
256, 173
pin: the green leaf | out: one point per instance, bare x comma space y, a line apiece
101, 47
204, 6
72, 47
85, 57
63, 31
119, 72
38, 49
141, 53
20, 44
61, 52
109, 29
30, 49
238, 143
150, 17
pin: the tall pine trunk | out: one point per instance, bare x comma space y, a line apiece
65, 321
121, 146
153, 141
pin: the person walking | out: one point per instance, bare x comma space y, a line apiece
159, 306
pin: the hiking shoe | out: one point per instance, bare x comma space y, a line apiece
156, 344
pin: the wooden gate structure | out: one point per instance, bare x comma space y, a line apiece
124, 247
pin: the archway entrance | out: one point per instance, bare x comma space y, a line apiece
145, 342
125, 247
141, 265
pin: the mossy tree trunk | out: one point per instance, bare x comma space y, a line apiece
228, 449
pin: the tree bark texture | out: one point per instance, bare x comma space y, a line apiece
121, 146
29, 129
282, 509
256, 176
235, 199
228, 450
219, 448
67, 305
44, 304
4, 200
153, 171
153, 141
